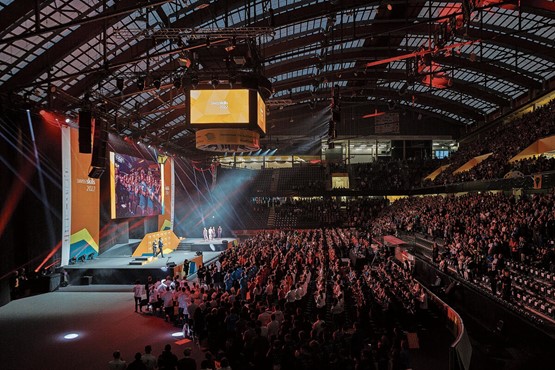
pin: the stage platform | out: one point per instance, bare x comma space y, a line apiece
113, 266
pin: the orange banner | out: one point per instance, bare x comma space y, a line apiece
85, 203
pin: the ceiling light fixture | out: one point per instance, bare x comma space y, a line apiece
141, 83
120, 83
194, 81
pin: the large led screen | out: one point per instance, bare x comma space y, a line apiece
136, 187
219, 106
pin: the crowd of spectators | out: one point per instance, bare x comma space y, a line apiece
504, 141
314, 212
294, 299
533, 165
289, 300
391, 175
479, 232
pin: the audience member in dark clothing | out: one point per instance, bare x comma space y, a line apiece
167, 360
187, 363
137, 364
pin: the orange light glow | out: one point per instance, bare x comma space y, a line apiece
375, 114
56, 248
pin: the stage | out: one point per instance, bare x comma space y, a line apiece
117, 266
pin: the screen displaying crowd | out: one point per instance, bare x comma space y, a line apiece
137, 188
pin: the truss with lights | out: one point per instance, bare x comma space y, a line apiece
196, 33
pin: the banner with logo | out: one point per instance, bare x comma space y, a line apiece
81, 202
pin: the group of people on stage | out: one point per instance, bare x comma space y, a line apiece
158, 248
138, 193
211, 233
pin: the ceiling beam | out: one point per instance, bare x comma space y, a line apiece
138, 50
485, 66
15, 11
115, 11
431, 100
63, 48
465, 87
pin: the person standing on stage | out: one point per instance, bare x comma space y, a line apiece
154, 249
161, 247
219, 232
205, 234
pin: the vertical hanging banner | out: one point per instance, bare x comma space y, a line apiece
165, 220
85, 205
66, 193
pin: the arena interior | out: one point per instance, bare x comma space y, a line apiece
277, 184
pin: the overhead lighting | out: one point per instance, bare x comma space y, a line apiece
232, 46
157, 83
403, 89
71, 336
202, 4
184, 61
232, 80
391, 105
141, 83
119, 83
177, 82
375, 114
194, 81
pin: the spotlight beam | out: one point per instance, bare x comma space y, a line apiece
44, 197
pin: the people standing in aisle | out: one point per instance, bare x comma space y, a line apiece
149, 283
138, 292
185, 268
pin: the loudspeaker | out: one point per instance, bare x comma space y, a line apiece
85, 131
98, 159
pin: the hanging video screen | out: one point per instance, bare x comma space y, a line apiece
219, 106
136, 187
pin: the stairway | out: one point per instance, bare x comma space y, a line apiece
275, 181
139, 261
272, 217
184, 246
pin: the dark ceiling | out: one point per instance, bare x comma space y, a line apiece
461, 62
